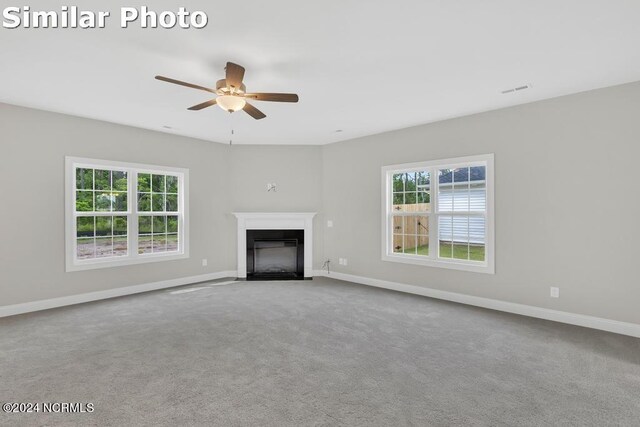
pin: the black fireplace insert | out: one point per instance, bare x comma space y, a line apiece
275, 254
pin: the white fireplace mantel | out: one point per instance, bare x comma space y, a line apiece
275, 221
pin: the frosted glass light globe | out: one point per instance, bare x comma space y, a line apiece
231, 103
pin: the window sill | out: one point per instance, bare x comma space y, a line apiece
107, 263
472, 266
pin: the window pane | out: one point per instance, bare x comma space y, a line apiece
398, 243
103, 179
422, 225
84, 201
478, 173
477, 238
144, 182
398, 182
423, 199
445, 236
462, 237
158, 183
398, 225
461, 175
445, 249
119, 225
103, 226
172, 184
478, 196
172, 224
410, 225
144, 202
120, 246
172, 242
84, 226
85, 248
145, 244
477, 230
144, 225
159, 224
120, 202
476, 252
157, 202
445, 190
103, 202
398, 201
410, 199
84, 179
410, 182
461, 190
423, 245
159, 243
119, 181
410, 245
104, 247
172, 202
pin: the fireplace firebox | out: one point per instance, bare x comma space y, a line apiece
275, 254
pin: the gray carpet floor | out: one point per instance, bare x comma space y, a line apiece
319, 352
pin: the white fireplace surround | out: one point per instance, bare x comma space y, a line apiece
275, 221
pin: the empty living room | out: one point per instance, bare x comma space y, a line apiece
336, 213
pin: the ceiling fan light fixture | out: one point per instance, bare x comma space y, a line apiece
231, 103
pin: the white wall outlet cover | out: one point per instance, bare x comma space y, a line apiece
344, 261
204, 262
554, 292
329, 223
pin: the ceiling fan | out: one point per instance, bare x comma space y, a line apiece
232, 94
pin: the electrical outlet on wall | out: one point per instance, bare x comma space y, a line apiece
329, 223
204, 262
555, 292
344, 261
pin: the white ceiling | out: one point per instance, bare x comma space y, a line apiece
361, 66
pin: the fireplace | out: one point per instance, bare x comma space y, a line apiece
275, 254
268, 242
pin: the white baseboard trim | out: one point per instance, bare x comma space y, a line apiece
27, 307
624, 328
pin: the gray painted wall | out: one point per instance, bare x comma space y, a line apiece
297, 171
567, 201
223, 179
564, 168
34, 144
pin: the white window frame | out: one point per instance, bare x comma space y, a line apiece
432, 260
132, 257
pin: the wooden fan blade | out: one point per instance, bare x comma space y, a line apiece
235, 74
178, 82
203, 105
254, 112
275, 97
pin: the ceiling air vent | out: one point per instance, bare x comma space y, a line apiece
517, 89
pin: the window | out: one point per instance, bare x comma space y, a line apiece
440, 213
122, 213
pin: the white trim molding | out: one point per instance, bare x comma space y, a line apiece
624, 328
275, 221
132, 214
27, 307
